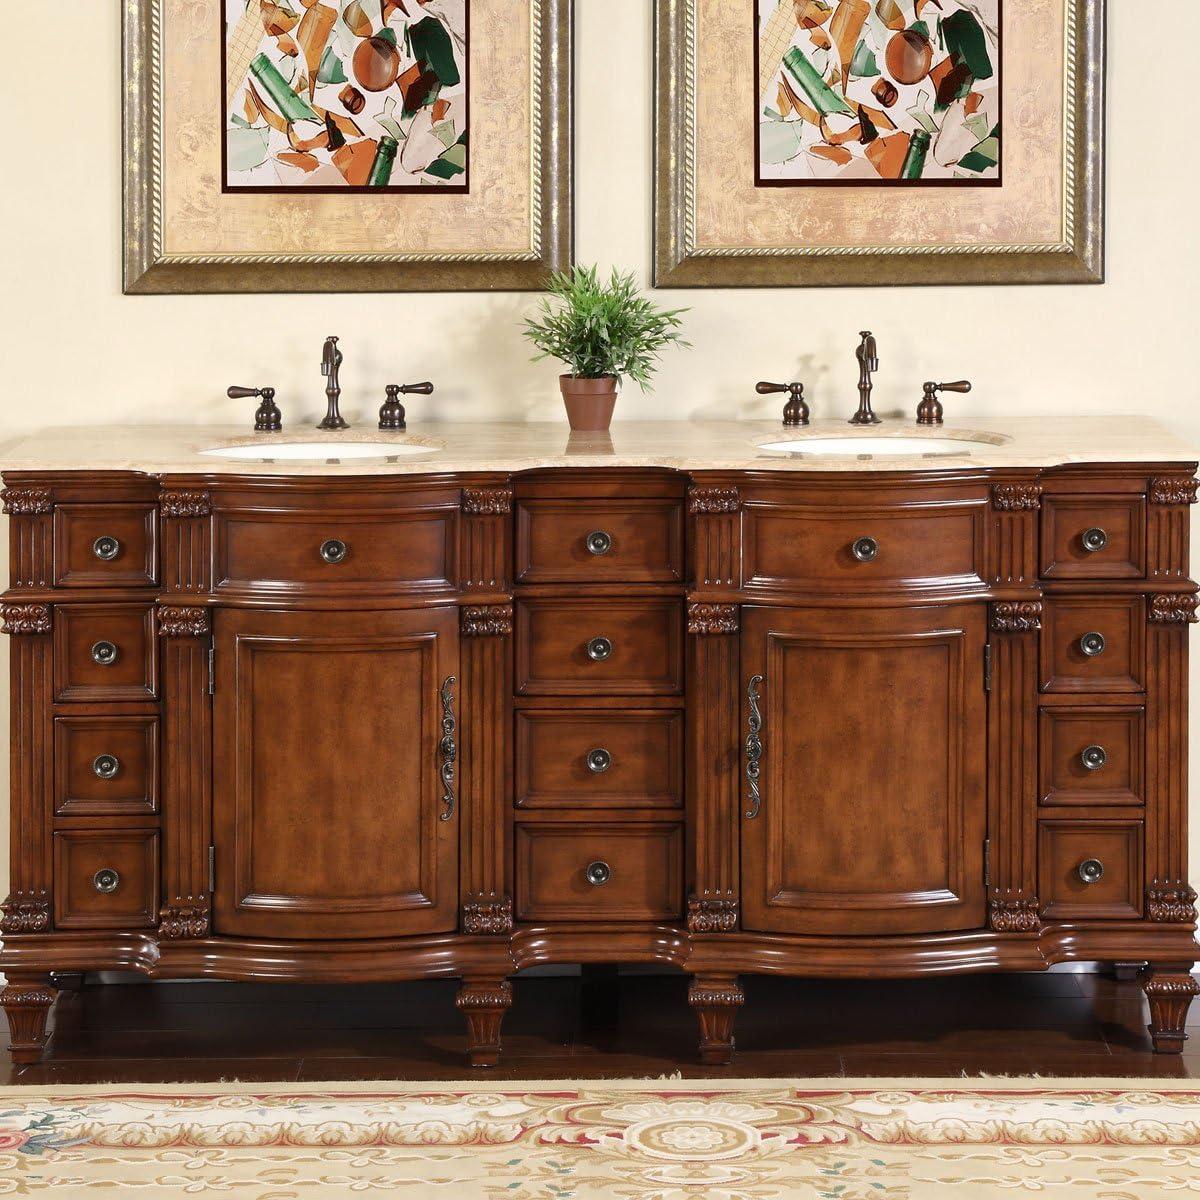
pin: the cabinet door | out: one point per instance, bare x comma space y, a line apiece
330, 814
873, 782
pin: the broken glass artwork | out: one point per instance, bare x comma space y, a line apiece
862, 92
333, 95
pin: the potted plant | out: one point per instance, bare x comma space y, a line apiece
604, 332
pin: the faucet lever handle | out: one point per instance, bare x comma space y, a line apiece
245, 393
930, 411
268, 418
766, 389
963, 386
795, 412
417, 389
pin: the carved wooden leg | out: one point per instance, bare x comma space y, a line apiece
716, 1000
26, 1002
484, 1002
1169, 987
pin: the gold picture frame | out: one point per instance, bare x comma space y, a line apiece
697, 121
176, 217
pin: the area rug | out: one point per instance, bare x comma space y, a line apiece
644, 1140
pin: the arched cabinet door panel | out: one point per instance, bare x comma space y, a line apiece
871, 813
329, 808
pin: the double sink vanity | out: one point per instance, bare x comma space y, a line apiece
732, 698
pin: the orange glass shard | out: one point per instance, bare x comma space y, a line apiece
798, 105
838, 128
303, 162
287, 45
359, 22
276, 19
820, 38
315, 28
837, 154
890, 14
887, 155
812, 14
267, 113
355, 160
846, 28
877, 117
440, 109
974, 100
301, 144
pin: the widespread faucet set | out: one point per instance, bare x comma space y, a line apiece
929, 411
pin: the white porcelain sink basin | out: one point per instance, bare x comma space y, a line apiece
325, 451
878, 446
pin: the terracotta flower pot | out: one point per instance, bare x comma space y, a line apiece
589, 402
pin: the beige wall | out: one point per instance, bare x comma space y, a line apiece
74, 349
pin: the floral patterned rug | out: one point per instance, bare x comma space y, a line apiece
644, 1140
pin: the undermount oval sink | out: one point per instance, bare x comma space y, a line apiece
324, 451
877, 446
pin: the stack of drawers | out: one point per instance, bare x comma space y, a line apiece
1092, 709
105, 717
599, 682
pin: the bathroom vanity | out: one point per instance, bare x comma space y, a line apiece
507, 697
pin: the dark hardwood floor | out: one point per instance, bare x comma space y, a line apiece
564, 1027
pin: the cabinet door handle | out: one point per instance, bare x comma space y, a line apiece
599, 648
865, 549
1091, 870
598, 761
106, 548
334, 551
1094, 757
104, 654
106, 880
1092, 644
1094, 539
599, 543
754, 747
597, 873
106, 766
447, 749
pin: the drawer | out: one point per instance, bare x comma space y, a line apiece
582, 759
1093, 644
598, 872
1093, 537
1091, 755
106, 880
104, 652
599, 647
602, 541
99, 545
105, 766
1090, 869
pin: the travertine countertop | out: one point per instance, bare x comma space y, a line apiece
683, 445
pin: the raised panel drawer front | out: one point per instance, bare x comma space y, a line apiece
104, 652
105, 880
1093, 537
599, 647
105, 545
1091, 755
1093, 644
599, 541
604, 872
105, 766
863, 548
1090, 869
580, 759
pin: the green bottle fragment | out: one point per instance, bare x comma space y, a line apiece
820, 95
431, 44
965, 43
331, 69
385, 160
863, 64
453, 162
289, 106
914, 160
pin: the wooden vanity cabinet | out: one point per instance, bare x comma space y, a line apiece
858, 723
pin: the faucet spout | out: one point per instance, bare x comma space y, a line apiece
868, 362
331, 361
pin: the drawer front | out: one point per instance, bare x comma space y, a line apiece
334, 552
1091, 755
104, 652
106, 880
580, 759
599, 872
836, 550
1090, 869
99, 545
105, 766
602, 541
1093, 537
1092, 644
599, 647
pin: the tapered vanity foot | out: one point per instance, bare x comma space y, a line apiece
484, 1003
1169, 988
27, 1004
716, 1001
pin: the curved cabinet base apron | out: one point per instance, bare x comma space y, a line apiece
599, 717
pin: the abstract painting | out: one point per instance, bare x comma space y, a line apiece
890, 92
345, 94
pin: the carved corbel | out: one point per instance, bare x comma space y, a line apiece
1173, 491
1172, 609
23, 913
712, 914
1012, 912
184, 622
26, 502
1023, 616
25, 619
711, 619
487, 502
489, 620
710, 500
1017, 497
185, 504
177, 922
1171, 901
487, 915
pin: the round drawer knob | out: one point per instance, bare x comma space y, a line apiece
1091, 870
106, 548
865, 549
598, 761
599, 648
599, 543
104, 653
1092, 644
106, 766
106, 880
334, 551
598, 873
1094, 757
1094, 539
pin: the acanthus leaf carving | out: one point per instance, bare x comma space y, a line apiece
1172, 609
489, 620
25, 618
487, 915
484, 996
712, 914
710, 619
1013, 913
1022, 616
183, 622
712, 500
1017, 497
1173, 491
177, 922
26, 502
487, 502
1171, 901
24, 914
185, 504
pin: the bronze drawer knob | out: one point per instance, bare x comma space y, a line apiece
1092, 644
1094, 757
865, 549
106, 548
1094, 539
598, 761
334, 551
1091, 870
598, 873
104, 654
106, 880
599, 543
106, 766
599, 648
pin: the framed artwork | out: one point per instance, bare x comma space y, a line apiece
346, 145
860, 142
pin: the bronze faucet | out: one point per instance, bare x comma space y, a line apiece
930, 411
795, 412
331, 360
391, 415
868, 361
267, 418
